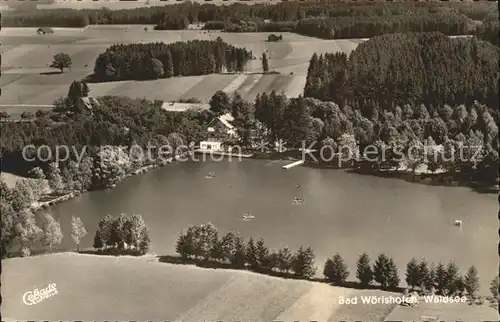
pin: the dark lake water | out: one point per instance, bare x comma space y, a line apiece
343, 212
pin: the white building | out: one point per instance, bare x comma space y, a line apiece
220, 129
182, 107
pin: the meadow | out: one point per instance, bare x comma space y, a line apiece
87, 287
28, 80
95, 287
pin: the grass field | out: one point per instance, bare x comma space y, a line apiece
96, 287
27, 78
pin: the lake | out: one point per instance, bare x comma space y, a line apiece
343, 212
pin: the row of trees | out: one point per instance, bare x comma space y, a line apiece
194, 12
205, 243
160, 60
439, 279
122, 233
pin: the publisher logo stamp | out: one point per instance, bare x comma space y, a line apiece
38, 295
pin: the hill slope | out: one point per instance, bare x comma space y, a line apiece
127, 288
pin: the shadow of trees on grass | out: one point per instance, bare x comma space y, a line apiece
178, 260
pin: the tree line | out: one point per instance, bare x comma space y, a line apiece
343, 27
205, 243
354, 27
176, 14
160, 60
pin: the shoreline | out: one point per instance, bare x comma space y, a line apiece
40, 205
420, 177
437, 179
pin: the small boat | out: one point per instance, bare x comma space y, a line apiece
298, 200
458, 223
298, 186
210, 175
248, 217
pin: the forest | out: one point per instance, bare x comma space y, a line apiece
353, 27
160, 60
347, 18
442, 71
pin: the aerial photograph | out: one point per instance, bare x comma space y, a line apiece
249, 160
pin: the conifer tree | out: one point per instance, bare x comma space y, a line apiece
238, 257
335, 270
412, 273
364, 271
453, 278
251, 254
284, 259
471, 281
265, 63
393, 278
382, 270
303, 263
495, 286
262, 254
440, 278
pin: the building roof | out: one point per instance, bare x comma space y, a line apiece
182, 107
47, 30
226, 119
89, 101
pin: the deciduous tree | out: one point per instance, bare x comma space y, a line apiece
52, 234
78, 231
61, 61
26, 231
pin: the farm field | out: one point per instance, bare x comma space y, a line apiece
95, 287
27, 78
